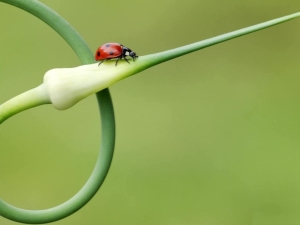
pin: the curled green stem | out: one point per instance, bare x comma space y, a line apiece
107, 115
107, 125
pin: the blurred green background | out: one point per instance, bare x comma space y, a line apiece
209, 138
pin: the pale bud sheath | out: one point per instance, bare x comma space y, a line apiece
64, 87
67, 86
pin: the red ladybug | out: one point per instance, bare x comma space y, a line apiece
113, 51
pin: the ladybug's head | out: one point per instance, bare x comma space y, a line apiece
133, 55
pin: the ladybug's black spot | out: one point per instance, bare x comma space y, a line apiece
111, 53
98, 53
107, 45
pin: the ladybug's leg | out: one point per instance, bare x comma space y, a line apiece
118, 60
126, 59
134, 58
103, 61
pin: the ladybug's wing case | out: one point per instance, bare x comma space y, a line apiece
108, 51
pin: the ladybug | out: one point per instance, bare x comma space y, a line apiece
113, 51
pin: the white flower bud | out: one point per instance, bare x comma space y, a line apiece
67, 86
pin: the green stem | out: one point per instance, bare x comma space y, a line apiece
26, 100
154, 59
104, 101
107, 125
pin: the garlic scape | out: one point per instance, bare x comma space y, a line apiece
64, 87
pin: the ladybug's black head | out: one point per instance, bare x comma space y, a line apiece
133, 55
